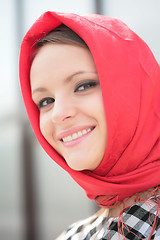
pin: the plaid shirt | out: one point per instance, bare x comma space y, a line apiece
137, 224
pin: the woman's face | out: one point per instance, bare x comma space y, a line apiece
66, 89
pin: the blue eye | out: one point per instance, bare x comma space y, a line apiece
45, 102
86, 86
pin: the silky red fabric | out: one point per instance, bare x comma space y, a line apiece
130, 81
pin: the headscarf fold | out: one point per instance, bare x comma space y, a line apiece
129, 77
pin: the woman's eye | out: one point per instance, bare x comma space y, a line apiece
45, 102
86, 86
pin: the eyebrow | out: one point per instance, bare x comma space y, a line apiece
39, 90
77, 73
68, 79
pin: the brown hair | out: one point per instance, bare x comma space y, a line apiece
61, 35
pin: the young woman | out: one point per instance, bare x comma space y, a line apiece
91, 88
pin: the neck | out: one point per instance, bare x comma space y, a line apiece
115, 211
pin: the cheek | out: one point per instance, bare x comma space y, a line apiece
42, 128
99, 107
102, 117
45, 126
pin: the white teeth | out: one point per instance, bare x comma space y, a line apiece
84, 131
69, 138
79, 134
76, 135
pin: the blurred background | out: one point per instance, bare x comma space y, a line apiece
38, 200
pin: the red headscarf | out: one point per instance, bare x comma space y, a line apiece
130, 81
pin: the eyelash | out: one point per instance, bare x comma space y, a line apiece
48, 101
86, 86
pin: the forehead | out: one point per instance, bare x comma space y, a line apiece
59, 61
62, 55
61, 49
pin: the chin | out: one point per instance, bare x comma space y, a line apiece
77, 167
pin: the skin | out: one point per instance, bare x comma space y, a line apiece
65, 87
115, 211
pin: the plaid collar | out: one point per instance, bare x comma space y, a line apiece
137, 224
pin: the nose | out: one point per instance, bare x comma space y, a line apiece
63, 110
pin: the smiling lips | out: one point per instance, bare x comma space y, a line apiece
76, 135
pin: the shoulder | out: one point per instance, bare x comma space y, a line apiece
83, 229
73, 229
